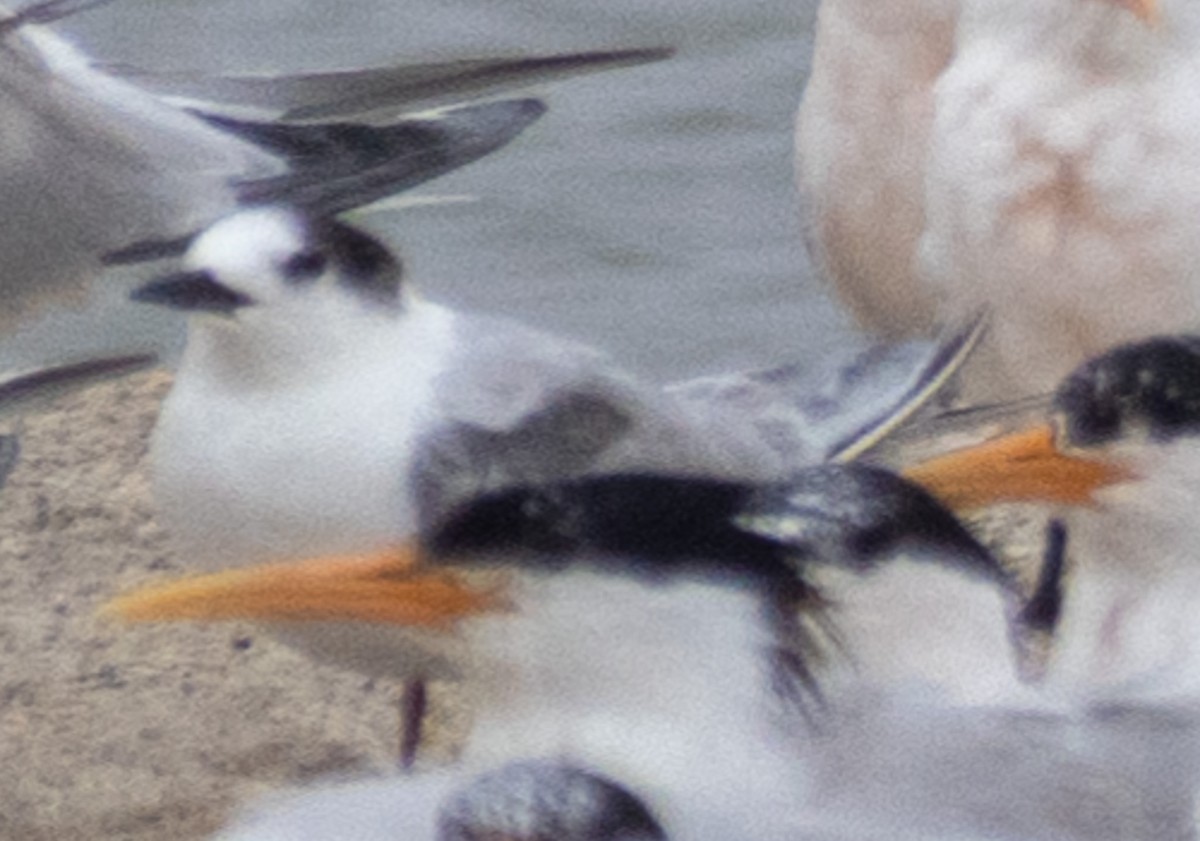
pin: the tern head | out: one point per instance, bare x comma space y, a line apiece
668, 572
1148, 390
275, 279
1121, 435
1101, 418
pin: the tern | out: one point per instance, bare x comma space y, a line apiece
1040, 165
322, 405
98, 169
764, 661
1127, 421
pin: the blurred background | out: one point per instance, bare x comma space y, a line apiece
652, 211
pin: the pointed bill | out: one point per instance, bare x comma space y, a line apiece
386, 588
1025, 466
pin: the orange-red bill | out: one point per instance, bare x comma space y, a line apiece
1023, 466
1147, 11
388, 587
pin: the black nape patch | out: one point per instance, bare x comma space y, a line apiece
1152, 385
364, 264
1044, 608
653, 526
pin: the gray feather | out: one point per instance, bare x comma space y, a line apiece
403, 89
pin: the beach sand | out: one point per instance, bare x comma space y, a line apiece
141, 732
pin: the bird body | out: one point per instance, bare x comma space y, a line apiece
330, 408
323, 406
862, 144
1127, 629
1045, 176
1058, 183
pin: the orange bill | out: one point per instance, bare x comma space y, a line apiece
388, 587
1147, 11
1025, 466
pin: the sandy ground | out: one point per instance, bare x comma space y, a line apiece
108, 732
111, 732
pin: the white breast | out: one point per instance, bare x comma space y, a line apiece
662, 685
318, 466
1131, 625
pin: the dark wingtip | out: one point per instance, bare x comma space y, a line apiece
473, 79
47, 11
338, 167
496, 122
49, 380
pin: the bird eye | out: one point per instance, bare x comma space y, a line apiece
304, 265
535, 507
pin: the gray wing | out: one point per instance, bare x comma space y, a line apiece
97, 169
46, 11
20, 391
88, 163
833, 410
401, 89
335, 167
522, 407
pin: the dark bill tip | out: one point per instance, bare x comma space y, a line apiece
196, 291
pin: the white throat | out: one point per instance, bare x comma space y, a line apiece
258, 464
665, 686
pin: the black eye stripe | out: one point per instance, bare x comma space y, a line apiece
304, 265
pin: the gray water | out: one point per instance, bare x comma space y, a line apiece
652, 211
